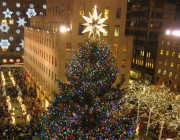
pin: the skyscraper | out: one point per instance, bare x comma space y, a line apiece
51, 39
146, 19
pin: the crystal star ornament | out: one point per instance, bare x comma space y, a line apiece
7, 13
94, 24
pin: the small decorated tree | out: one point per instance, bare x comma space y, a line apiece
158, 105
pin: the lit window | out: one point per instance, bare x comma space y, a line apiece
162, 42
118, 13
173, 54
11, 21
148, 54
178, 66
117, 29
132, 23
165, 62
167, 53
160, 62
170, 74
176, 76
124, 61
81, 28
106, 28
161, 52
68, 47
125, 48
172, 64
81, 9
106, 13
159, 70
168, 43
174, 43
178, 55
4, 21
115, 47
164, 72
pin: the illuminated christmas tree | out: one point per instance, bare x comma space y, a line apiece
89, 106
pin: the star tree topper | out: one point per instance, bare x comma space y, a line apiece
94, 24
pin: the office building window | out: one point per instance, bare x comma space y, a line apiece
125, 48
124, 62
118, 13
170, 74
173, 54
164, 72
81, 28
115, 47
68, 47
81, 9
178, 55
165, 62
178, 66
167, 53
172, 64
106, 13
160, 62
106, 28
176, 76
159, 70
168, 43
148, 54
132, 23
116, 31
161, 52
162, 42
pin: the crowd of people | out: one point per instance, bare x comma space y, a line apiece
30, 100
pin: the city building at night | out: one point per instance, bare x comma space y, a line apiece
14, 16
50, 39
146, 20
168, 60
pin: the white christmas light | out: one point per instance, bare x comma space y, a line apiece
18, 5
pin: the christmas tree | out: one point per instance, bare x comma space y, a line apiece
89, 106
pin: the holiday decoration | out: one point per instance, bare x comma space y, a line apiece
4, 3
4, 44
7, 13
94, 24
89, 106
22, 43
18, 31
15, 19
4, 28
157, 105
31, 12
21, 22
18, 5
